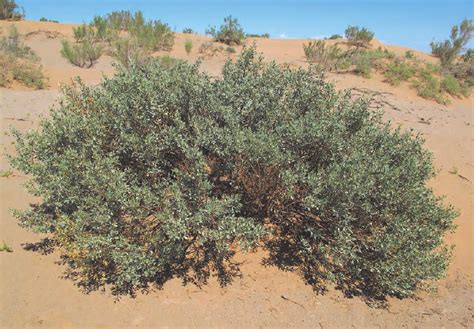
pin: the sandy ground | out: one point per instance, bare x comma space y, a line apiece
34, 294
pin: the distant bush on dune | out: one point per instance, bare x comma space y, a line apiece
359, 37
163, 171
447, 51
10, 10
254, 35
230, 33
106, 32
188, 30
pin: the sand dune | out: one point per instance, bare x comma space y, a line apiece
33, 294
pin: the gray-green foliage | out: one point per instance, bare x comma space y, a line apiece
230, 33
448, 50
19, 62
330, 58
82, 54
359, 37
165, 171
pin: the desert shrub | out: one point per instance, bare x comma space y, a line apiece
44, 19
398, 71
10, 10
12, 45
447, 51
359, 37
330, 58
463, 69
84, 54
152, 35
230, 50
188, 30
363, 62
119, 20
209, 49
230, 33
454, 87
255, 35
28, 75
128, 53
188, 46
409, 54
19, 62
335, 36
429, 86
164, 172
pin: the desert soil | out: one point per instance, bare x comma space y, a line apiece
33, 292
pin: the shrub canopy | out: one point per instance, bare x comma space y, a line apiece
163, 171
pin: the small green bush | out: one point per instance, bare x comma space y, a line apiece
429, 87
165, 172
188, 46
10, 10
44, 19
409, 54
335, 36
128, 53
255, 35
11, 45
188, 30
453, 86
19, 62
359, 37
330, 58
448, 50
230, 33
84, 54
363, 62
28, 75
398, 71
230, 50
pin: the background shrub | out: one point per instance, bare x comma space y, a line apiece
448, 50
128, 53
188, 46
359, 37
84, 54
429, 86
165, 171
188, 30
398, 71
335, 36
19, 62
230, 33
452, 86
10, 10
330, 58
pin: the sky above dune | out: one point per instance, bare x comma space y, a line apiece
411, 23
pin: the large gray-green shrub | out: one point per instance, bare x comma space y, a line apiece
163, 171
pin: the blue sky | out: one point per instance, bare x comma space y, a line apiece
411, 23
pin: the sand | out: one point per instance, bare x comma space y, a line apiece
34, 294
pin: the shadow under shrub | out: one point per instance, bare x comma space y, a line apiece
164, 172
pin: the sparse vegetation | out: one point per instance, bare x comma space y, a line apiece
6, 173
9, 10
359, 37
188, 30
5, 247
230, 33
409, 54
448, 50
120, 33
330, 58
83, 54
19, 62
399, 71
175, 171
44, 19
429, 86
335, 36
452, 86
255, 35
188, 46
230, 50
